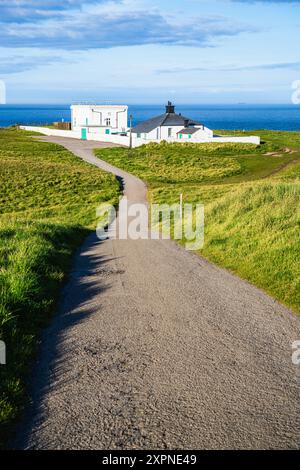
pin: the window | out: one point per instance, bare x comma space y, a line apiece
107, 131
180, 136
107, 121
138, 135
170, 132
190, 136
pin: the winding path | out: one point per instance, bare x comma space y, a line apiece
154, 347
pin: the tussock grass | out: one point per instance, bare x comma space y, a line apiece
255, 232
47, 206
173, 163
191, 164
251, 202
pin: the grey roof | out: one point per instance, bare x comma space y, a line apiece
166, 119
189, 130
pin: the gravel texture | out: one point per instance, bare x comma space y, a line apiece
155, 348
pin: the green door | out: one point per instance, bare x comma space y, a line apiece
83, 134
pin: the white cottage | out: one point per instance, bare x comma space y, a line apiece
172, 127
99, 119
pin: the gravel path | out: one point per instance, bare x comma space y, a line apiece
156, 348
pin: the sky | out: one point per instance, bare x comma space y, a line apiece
149, 51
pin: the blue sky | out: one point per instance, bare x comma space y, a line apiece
140, 51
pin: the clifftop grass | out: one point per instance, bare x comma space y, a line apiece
186, 164
251, 196
254, 231
47, 206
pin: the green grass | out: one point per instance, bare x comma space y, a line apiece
174, 163
251, 202
201, 164
254, 231
47, 207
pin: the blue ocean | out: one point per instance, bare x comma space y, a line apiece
247, 117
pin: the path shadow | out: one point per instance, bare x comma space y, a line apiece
85, 283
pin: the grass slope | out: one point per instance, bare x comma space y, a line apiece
251, 202
47, 206
255, 232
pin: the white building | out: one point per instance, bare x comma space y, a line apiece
99, 120
172, 127
108, 123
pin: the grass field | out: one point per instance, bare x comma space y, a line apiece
47, 206
251, 196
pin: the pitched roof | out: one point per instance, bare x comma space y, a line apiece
166, 119
149, 125
189, 130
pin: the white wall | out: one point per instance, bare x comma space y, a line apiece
251, 139
136, 142
202, 135
88, 115
162, 133
152, 135
54, 132
165, 133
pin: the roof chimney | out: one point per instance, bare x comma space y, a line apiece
186, 122
170, 108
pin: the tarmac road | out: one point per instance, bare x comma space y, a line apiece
156, 348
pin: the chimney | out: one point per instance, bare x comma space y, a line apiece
170, 108
186, 123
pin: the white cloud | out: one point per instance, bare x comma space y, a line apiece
110, 24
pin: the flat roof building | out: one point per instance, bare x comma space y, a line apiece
99, 118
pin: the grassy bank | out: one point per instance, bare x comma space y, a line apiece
251, 196
47, 206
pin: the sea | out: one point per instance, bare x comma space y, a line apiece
239, 116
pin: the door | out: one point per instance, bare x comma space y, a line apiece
83, 134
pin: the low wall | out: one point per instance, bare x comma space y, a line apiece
251, 139
110, 138
54, 132
136, 142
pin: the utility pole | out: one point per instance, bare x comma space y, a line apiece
130, 135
